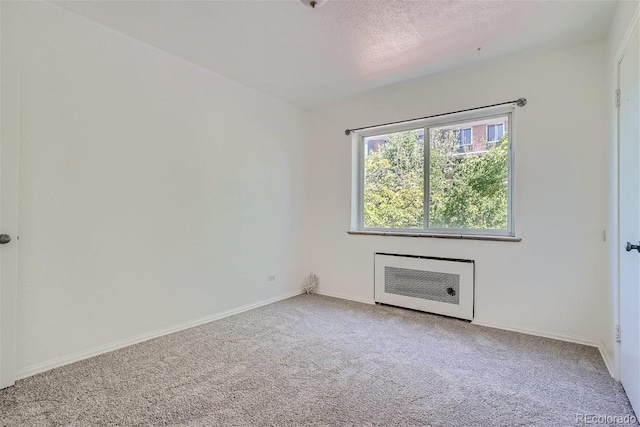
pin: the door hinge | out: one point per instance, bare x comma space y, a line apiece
617, 97
617, 334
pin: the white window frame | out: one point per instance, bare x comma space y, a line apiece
357, 178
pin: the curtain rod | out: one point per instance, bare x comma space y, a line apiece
519, 102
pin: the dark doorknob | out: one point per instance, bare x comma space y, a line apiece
4, 239
629, 246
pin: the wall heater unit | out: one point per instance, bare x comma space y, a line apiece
436, 285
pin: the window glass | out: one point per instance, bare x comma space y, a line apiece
394, 180
468, 190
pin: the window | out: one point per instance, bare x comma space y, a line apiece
415, 178
495, 132
463, 136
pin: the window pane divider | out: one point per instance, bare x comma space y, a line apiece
427, 189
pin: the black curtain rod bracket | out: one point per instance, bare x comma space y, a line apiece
521, 102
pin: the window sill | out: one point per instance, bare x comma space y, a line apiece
437, 235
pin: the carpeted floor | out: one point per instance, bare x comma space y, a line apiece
319, 361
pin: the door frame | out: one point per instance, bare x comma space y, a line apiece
9, 142
622, 49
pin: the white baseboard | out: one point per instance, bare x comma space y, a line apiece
72, 358
557, 336
347, 297
66, 360
554, 335
607, 361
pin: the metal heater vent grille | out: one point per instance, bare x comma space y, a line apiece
428, 285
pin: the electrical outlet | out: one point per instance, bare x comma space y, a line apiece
271, 277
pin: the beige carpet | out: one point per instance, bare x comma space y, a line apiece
319, 361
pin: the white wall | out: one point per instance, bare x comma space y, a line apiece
625, 12
152, 192
550, 282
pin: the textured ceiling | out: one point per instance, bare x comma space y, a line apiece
312, 57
